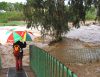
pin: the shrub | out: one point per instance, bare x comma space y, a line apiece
90, 16
12, 16
4, 21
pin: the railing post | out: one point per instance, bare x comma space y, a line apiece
71, 74
50, 66
0, 59
59, 70
67, 75
56, 69
62, 70
36, 62
45, 64
53, 68
39, 62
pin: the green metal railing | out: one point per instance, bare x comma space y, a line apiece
44, 65
76, 55
0, 59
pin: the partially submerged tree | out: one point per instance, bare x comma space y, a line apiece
53, 15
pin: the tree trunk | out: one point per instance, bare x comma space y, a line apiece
58, 36
57, 39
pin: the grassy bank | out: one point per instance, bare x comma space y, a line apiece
12, 18
12, 23
16, 16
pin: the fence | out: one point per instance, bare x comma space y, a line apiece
0, 59
44, 65
76, 55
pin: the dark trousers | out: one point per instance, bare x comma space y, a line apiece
18, 62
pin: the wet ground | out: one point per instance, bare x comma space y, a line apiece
11, 72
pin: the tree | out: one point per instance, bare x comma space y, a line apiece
92, 9
53, 16
10, 7
3, 5
18, 6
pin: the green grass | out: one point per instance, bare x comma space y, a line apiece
16, 16
90, 16
12, 23
12, 16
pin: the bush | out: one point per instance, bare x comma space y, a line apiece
4, 21
90, 16
12, 16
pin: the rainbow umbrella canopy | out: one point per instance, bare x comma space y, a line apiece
14, 35
28, 36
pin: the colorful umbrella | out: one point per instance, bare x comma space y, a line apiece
14, 35
28, 36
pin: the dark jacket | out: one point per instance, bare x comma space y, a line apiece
22, 45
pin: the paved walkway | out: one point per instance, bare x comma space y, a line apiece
11, 72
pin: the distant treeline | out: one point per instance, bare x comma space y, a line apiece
15, 12
11, 6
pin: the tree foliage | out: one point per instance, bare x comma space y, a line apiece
3, 5
11, 6
53, 15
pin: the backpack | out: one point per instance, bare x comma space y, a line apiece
16, 50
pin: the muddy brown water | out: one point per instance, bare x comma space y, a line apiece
90, 69
81, 69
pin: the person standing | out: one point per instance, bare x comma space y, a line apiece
18, 53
